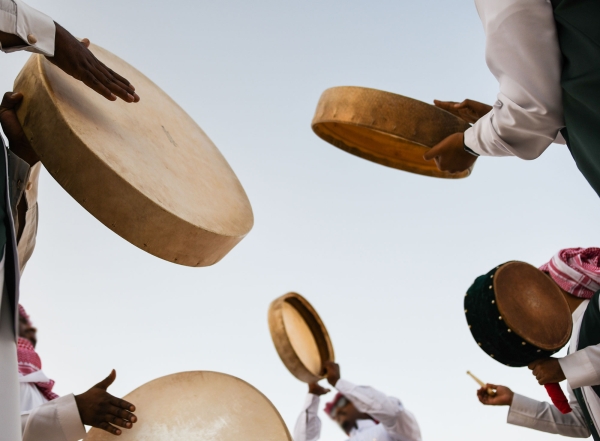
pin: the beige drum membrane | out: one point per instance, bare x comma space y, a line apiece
382, 127
147, 171
300, 337
200, 406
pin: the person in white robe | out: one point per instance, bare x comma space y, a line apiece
24, 28
577, 272
362, 412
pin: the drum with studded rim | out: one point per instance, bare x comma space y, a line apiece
517, 314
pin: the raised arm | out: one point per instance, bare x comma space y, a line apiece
308, 424
389, 411
400, 424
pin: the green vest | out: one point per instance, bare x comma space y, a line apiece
3, 211
589, 335
578, 28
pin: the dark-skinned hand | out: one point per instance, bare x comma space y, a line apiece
17, 141
317, 389
332, 372
504, 396
547, 370
469, 110
450, 154
74, 58
100, 409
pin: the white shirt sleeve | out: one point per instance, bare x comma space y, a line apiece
308, 425
36, 29
400, 424
582, 368
545, 417
522, 52
57, 420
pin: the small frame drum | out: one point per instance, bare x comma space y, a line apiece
200, 406
382, 127
300, 337
147, 171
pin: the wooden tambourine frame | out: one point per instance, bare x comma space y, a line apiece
386, 128
300, 337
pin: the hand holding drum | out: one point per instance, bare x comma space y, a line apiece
148, 173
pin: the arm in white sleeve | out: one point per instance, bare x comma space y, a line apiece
522, 52
57, 420
36, 29
545, 417
308, 425
389, 411
582, 368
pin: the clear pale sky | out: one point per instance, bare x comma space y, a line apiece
385, 256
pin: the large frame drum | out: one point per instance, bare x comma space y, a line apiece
147, 171
200, 406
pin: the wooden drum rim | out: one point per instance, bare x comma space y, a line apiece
282, 342
392, 115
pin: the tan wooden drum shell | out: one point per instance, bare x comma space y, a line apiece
382, 127
147, 171
300, 337
200, 406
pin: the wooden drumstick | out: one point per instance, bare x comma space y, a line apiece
491, 392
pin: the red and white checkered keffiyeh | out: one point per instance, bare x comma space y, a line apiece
576, 270
29, 361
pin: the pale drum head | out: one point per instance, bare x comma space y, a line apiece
147, 171
385, 128
200, 406
300, 337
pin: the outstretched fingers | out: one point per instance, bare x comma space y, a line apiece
109, 428
122, 404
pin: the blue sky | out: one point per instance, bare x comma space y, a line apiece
384, 256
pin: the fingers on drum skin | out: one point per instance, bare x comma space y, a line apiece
11, 99
121, 413
109, 428
122, 404
116, 421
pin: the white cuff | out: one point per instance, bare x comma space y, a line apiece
579, 369
344, 386
36, 29
522, 410
70, 420
483, 139
311, 402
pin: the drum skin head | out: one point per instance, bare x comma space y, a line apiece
533, 306
300, 337
147, 171
200, 406
382, 127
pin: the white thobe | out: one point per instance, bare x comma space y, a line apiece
395, 422
59, 419
522, 52
582, 369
